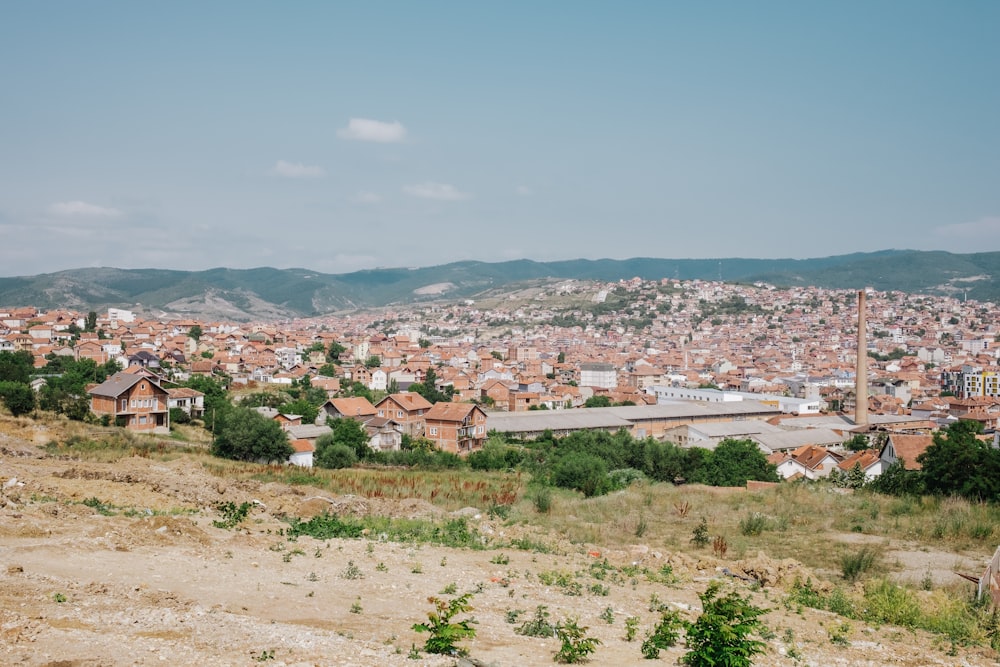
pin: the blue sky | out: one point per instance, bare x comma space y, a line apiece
337, 136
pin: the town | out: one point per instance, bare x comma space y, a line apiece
688, 362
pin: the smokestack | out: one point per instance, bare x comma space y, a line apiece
861, 374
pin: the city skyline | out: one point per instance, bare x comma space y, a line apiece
349, 136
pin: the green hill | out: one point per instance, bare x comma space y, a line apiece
267, 293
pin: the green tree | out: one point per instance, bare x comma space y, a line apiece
195, 332
216, 400
16, 366
19, 398
336, 349
722, 635
349, 433
91, 323
374, 361
333, 455
733, 462
561, 358
301, 407
959, 463
244, 434
584, 472
600, 401
857, 443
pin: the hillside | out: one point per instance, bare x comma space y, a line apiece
112, 556
268, 293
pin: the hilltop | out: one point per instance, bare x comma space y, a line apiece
269, 294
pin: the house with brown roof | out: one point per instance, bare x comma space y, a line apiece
189, 400
808, 461
352, 407
134, 401
406, 409
867, 459
456, 427
899, 446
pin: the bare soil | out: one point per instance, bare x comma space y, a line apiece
160, 584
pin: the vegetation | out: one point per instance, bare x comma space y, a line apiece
722, 635
244, 434
576, 646
444, 630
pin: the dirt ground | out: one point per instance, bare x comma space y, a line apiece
160, 584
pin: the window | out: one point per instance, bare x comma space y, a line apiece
433, 430
381, 413
399, 413
124, 404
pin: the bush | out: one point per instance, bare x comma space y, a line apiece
664, 635
853, 565
19, 398
246, 435
722, 634
445, 633
178, 416
754, 523
582, 472
336, 456
576, 645
886, 602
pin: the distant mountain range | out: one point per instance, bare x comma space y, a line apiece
266, 293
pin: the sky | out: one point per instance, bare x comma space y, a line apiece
338, 136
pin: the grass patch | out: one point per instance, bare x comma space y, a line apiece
452, 533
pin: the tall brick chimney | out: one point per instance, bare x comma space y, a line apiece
861, 374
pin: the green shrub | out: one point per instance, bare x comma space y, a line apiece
538, 626
721, 635
542, 499
583, 472
699, 537
232, 514
754, 523
664, 635
853, 565
444, 632
886, 602
576, 645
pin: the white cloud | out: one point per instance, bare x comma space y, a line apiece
366, 129
83, 209
297, 170
439, 191
984, 228
523, 191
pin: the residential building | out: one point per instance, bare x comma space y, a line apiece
134, 401
456, 427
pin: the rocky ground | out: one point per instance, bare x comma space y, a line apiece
146, 578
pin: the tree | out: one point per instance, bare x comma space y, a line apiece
733, 462
330, 454
300, 407
584, 472
91, 323
195, 332
959, 463
373, 361
600, 401
858, 443
16, 366
561, 358
336, 349
19, 398
349, 433
244, 434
